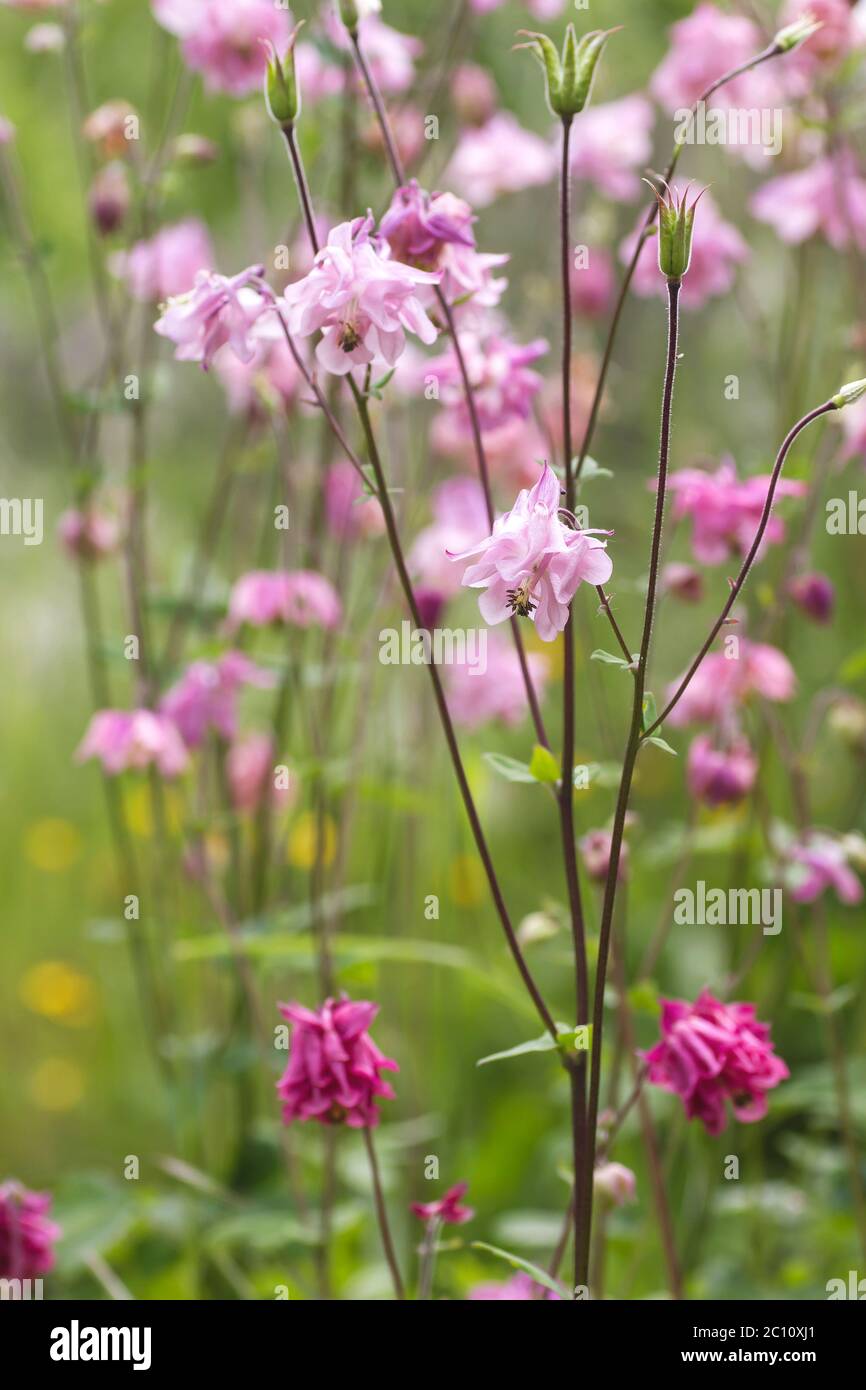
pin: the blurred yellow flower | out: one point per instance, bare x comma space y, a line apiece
466, 881
56, 1084
138, 810
60, 992
303, 839
52, 845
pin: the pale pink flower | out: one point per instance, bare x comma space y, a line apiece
473, 92
270, 382
822, 863
362, 301
615, 1182
500, 157
593, 284
613, 146
520, 1288
717, 250
27, 1236
390, 54
250, 768
133, 740
595, 848
350, 512
408, 130
108, 127
503, 384
433, 231
723, 682
533, 562
828, 197
448, 1208
493, 687
726, 511
167, 263
815, 595
206, 696
838, 35
704, 46
514, 450
459, 522
45, 38
300, 598
721, 775
711, 1053
317, 77
334, 1070
222, 39
88, 534
215, 312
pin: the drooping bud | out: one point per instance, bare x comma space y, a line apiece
109, 198
194, 149
282, 93
814, 595
676, 223
794, 34
615, 1183
568, 78
850, 393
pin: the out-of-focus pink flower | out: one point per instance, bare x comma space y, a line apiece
711, 1053
206, 696
515, 450
222, 39
721, 775
815, 595
7, 131
499, 157
722, 682
520, 1288
430, 604
334, 1070
250, 769
130, 740
216, 312
473, 92
109, 127
853, 421
109, 198
434, 232
300, 598
166, 264
615, 1182
493, 688
349, 512
532, 563
838, 34
726, 511
27, 1236
827, 197
317, 77
593, 284
704, 46
459, 521
270, 382
503, 384
45, 38
615, 143
683, 582
717, 250
88, 534
361, 300
821, 863
449, 1208
390, 54
595, 849
407, 129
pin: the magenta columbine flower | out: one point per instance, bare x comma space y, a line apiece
724, 680
704, 46
363, 302
166, 265
433, 231
492, 687
131, 740
533, 562
449, 1208
720, 776
820, 862
301, 598
725, 511
333, 1074
206, 696
711, 1053
815, 595
27, 1237
222, 39
216, 311
520, 1288
616, 1183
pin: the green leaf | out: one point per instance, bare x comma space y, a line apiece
539, 1275
650, 713
543, 764
591, 469
610, 659
566, 1038
660, 743
509, 768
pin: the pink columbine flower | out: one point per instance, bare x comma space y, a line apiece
724, 680
504, 386
711, 1053
217, 311
717, 250
459, 521
334, 1070
704, 46
166, 264
250, 768
520, 1288
362, 301
390, 54
815, 595
493, 688
45, 38
821, 863
433, 231
301, 598
449, 1208
615, 145
615, 1182
222, 39
593, 284
828, 197
88, 534
595, 849
27, 1237
725, 511
133, 740
206, 696
533, 562
720, 776
473, 92
500, 157
350, 511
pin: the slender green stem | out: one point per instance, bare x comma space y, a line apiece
382, 1215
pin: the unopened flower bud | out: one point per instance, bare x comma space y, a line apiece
282, 93
194, 149
353, 11
45, 38
569, 77
676, 223
847, 719
850, 393
794, 34
615, 1182
110, 127
815, 595
109, 198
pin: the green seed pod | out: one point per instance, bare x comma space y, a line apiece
676, 223
282, 93
568, 79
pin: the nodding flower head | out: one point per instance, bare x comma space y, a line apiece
568, 77
282, 93
676, 223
